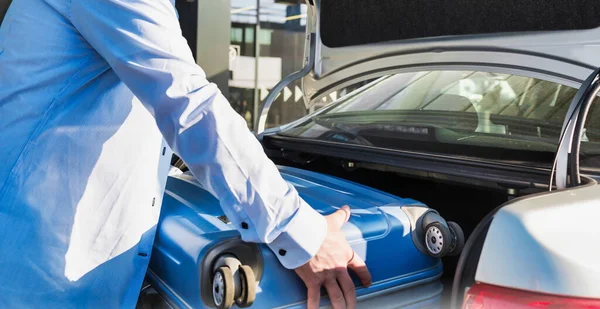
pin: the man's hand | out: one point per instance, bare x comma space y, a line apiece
329, 267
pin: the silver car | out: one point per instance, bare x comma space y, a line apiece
483, 110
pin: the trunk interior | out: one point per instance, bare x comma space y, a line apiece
459, 199
466, 204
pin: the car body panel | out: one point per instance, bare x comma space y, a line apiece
379, 230
546, 243
562, 56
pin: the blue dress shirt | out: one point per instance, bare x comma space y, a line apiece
94, 94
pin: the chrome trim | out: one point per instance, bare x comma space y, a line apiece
310, 62
588, 89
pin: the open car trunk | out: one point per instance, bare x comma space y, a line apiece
462, 200
189, 233
457, 200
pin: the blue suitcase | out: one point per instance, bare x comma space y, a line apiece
199, 260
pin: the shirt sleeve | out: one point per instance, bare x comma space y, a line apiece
141, 41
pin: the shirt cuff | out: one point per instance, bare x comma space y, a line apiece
302, 238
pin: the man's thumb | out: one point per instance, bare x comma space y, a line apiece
341, 216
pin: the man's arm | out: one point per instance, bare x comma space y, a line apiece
141, 40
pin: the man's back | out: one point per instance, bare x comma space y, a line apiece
80, 191
83, 168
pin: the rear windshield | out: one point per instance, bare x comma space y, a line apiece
466, 113
356, 22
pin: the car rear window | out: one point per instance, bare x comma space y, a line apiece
478, 114
356, 22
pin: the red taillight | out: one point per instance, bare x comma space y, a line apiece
484, 296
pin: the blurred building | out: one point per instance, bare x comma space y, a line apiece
223, 36
280, 42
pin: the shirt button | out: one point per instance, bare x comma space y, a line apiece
244, 225
282, 252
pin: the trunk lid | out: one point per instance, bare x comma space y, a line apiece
359, 40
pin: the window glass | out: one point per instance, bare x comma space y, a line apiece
249, 35
265, 37
469, 113
237, 35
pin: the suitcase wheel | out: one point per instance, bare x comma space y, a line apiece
233, 283
248, 288
223, 288
459, 238
438, 239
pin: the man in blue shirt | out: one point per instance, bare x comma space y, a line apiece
94, 94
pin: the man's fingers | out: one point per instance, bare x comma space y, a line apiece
341, 216
314, 297
347, 288
335, 294
359, 267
